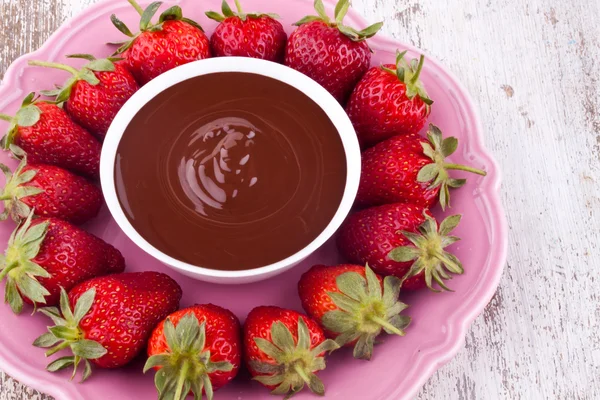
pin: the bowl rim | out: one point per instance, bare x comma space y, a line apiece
276, 71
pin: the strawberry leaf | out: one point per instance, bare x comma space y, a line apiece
404, 254
215, 16
147, 15
351, 33
370, 31
449, 224
449, 146
28, 116
173, 13
61, 363
352, 285
270, 380
338, 322
344, 302
391, 290
88, 76
192, 23
88, 349
46, 340
320, 8
428, 173
264, 368
84, 304
341, 9
88, 57
227, 12
87, 371
282, 337
102, 65
13, 297
121, 26
307, 19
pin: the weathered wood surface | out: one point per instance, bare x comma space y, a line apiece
533, 68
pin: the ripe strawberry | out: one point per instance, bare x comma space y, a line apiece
94, 94
410, 169
353, 305
253, 35
197, 349
50, 191
160, 47
331, 53
389, 100
48, 136
402, 240
284, 350
47, 254
107, 320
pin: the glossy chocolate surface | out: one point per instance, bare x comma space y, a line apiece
230, 171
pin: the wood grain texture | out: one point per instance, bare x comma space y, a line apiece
533, 68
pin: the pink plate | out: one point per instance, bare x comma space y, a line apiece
400, 365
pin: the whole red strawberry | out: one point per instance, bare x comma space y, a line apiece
331, 53
195, 350
94, 94
410, 169
160, 47
47, 254
284, 350
253, 35
402, 240
388, 101
108, 320
46, 133
50, 191
353, 305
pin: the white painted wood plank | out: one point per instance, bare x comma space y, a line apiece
533, 68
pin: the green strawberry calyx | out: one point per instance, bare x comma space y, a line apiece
427, 251
294, 364
187, 365
17, 266
365, 310
409, 73
436, 173
16, 189
341, 9
86, 73
66, 333
229, 13
28, 115
173, 13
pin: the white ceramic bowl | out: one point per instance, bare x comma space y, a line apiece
231, 64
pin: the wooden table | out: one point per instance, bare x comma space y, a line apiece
533, 68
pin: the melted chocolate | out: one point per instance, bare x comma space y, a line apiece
230, 171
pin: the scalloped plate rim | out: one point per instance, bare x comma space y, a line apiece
458, 323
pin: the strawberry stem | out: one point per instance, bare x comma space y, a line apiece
239, 7
54, 65
6, 270
5, 117
383, 323
302, 374
459, 167
182, 377
415, 77
137, 7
